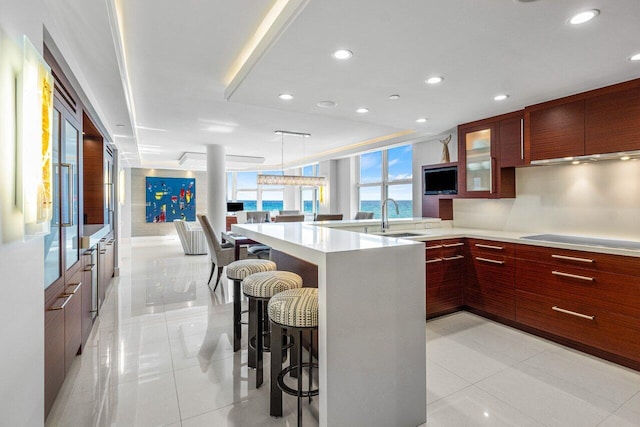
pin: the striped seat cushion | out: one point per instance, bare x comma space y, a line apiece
269, 283
295, 308
238, 270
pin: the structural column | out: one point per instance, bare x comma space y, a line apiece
216, 184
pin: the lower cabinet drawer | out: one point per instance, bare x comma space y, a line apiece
446, 296
497, 301
590, 322
577, 285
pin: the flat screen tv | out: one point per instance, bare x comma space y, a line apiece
441, 180
235, 206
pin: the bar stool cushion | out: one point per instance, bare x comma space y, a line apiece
297, 308
269, 283
238, 270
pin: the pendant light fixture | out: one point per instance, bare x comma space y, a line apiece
311, 181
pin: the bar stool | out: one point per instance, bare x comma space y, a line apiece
297, 311
259, 288
238, 271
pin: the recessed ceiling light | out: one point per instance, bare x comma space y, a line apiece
635, 57
434, 80
501, 97
625, 158
362, 110
342, 54
575, 162
394, 96
326, 104
421, 120
583, 17
285, 96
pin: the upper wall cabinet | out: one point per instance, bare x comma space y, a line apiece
612, 121
489, 150
605, 120
557, 131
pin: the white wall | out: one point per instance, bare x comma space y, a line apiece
600, 199
345, 179
22, 273
136, 189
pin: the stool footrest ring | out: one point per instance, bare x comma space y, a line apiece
293, 392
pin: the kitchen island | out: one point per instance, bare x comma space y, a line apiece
372, 344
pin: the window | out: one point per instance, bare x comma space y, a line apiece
386, 174
309, 201
246, 189
271, 196
243, 187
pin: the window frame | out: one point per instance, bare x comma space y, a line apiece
385, 182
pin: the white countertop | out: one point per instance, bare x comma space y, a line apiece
513, 237
314, 238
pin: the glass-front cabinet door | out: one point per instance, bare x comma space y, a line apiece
52, 252
477, 160
478, 155
61, 245
69, 186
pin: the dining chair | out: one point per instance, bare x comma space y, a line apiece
289, 218
221, 255
364, 215
328, 217
293, 212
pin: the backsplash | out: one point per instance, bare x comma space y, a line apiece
598, 199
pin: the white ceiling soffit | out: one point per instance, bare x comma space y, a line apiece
179, 54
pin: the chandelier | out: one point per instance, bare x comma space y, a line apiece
312, 181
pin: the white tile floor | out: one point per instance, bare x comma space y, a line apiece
161, 354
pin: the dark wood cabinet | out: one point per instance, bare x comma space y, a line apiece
490, 278
612, 122
54, 350
72, 320
556, 131
605, 120
511, 137
482, 172
588, 298
106, 263
89, 275
444, 263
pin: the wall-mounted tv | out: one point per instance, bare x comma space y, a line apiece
441, 180
235, 206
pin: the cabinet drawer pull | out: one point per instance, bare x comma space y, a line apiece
571, 258
61, 306
573, 313
452, 245
434, 247
480, 245
433, 260
573, 276
492, 261
103, 251
451, 258
76, 286
89, 267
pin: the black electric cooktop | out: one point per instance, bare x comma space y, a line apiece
574, 240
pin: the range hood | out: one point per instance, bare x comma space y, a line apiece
627, 155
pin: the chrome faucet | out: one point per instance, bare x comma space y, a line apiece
385, 214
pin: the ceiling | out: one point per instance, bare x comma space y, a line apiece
158, 70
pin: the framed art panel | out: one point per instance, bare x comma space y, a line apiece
170, 198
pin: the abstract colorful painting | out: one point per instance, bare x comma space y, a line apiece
170, 198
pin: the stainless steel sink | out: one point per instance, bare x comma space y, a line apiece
402, 234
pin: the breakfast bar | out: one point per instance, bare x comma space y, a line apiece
372, 344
